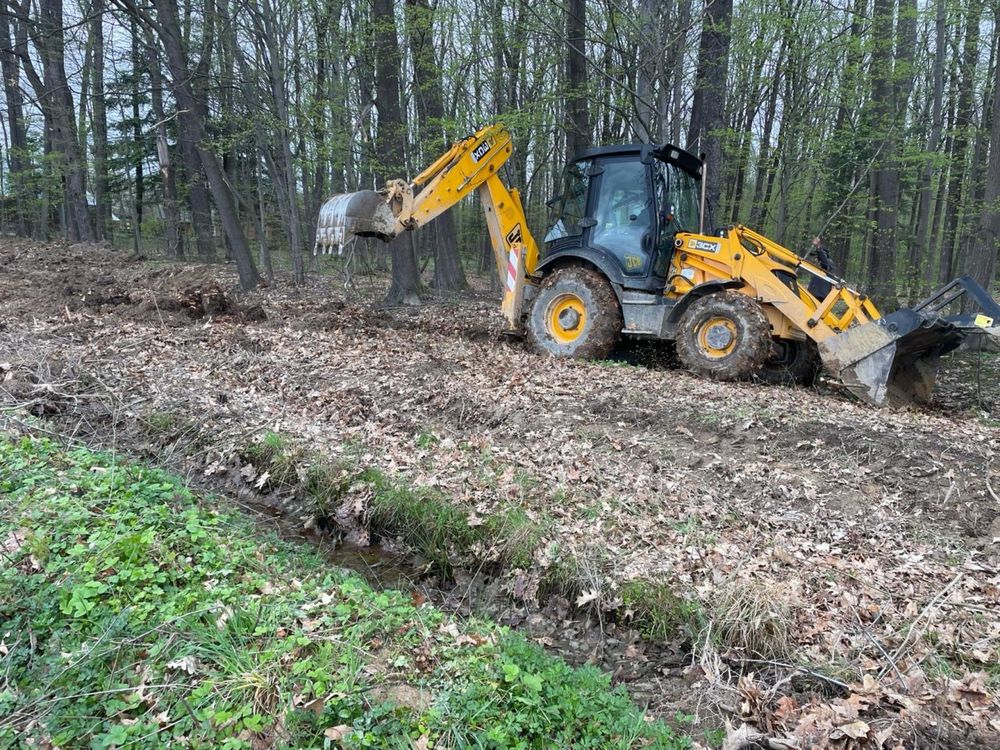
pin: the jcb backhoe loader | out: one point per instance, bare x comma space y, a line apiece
628, 254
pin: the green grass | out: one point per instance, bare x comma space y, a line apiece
133, 614
659, 613
438, 529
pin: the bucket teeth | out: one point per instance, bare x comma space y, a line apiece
344, 216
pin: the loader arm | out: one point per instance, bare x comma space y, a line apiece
880, 358
470, 165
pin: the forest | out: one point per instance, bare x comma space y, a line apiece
217, 128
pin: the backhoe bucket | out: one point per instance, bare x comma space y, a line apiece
894, 360
362, 214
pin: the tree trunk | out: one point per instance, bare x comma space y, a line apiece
102, 203
577, 112
192, 125
981, 258
959, 158
171, 211
709, 106
18, 151
56, 97
139, 192
920, 247
390, 142
427, 87
885, 177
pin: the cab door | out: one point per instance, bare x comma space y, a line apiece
623, 214
677, 210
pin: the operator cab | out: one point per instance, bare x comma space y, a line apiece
620, 207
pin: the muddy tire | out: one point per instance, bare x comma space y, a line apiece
724, 336
575, 314
791, 363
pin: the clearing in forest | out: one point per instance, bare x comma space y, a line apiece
784, 559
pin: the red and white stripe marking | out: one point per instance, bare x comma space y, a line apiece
512, 270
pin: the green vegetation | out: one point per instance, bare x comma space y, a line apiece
433, 525
437, 529
440, 532
133, 615
275, 460
659, 613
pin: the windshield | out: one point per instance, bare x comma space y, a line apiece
571, 203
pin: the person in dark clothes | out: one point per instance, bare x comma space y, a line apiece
818, 287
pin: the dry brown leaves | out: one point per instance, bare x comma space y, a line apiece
862, 519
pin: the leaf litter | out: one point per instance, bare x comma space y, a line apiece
868, 539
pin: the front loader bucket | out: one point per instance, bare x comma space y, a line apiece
892, 360
362, 214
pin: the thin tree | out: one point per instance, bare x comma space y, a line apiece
433, 134
390, 146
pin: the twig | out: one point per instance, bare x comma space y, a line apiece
930, 606
989, 486
881, 649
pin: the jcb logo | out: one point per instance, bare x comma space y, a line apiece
704, 245
481, 150
514, 235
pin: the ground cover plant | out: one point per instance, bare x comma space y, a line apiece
134, 614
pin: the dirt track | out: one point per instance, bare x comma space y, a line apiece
871, 536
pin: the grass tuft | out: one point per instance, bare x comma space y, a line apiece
754, 619
660, 613
436, 528
276, 461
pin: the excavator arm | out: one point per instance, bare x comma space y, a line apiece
470, 165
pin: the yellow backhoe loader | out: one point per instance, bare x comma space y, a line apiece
628, 255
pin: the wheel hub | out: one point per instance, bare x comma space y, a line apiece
717, 337
569, 319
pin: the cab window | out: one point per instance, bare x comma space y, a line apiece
623, 211
571, 204
677, 205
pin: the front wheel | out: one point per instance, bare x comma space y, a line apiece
575, 314
724, 336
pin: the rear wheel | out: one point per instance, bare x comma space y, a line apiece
575, 314
791, 363
724, 336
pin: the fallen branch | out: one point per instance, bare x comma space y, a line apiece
989, 486
797, 668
